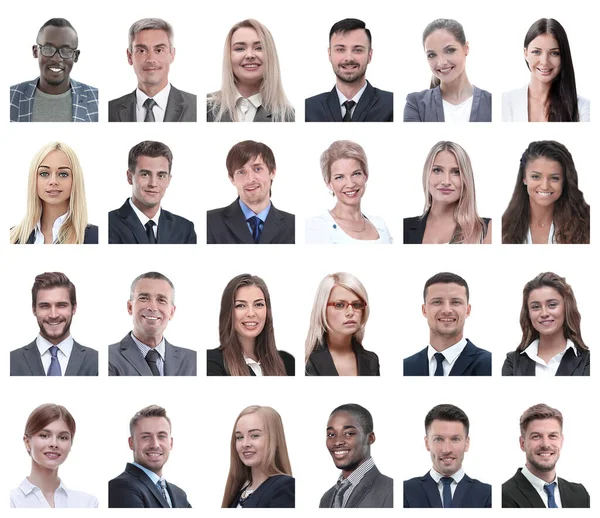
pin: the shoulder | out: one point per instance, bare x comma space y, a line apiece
317, 229
416, 97
415, 357
86, 89
289, 362
186, 95
278, 481
91, 235
130, 97
24, 86
182, 350
85, 348
282, 214
81, 499
383, 94
583, 106
180, 220
485, 95
217, 213
215, 364
316, 99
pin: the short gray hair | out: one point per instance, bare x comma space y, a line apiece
146, 24
152, 275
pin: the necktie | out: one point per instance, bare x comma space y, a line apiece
446, 491
549, 488
348, 105
54, 369
439, 357
152, 357
150, 232
161, 487
255, 222
338, 497
149, 104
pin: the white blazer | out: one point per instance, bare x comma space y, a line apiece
514, 106
323, 229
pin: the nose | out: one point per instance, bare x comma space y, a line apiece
53, 312
545, 311
349, 310
446, 306
545, 183
250, 310
53, 179
154, 442
53, 442
446, 178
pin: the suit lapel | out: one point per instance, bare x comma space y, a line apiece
172, 360
332, 106
528, 491
437, 102
323, 362
363, 488
144, 479
475, 106
75, 360
422, 364
175, 106
235, 222
272, 226
34, 360
431, 491
461, 492
262, 115
132, 354
127, 109
133, 223
365, 103
464, 360
164, 229
569, 363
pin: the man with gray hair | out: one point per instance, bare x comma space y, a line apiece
151, 53
145, 351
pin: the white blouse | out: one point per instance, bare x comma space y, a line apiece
324, 229
515, 106
29, 496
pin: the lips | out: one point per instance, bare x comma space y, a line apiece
339, 454
250, 325
545, 194
53, 192
446, 191
351, 194
445, 71
251, 66
545, 71
52, 455
153, 319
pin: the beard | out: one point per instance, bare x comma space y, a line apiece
544, 468
55, 334
349, 78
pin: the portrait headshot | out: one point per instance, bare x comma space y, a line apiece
552, 344
450, 212
345, 172
48, 439
450, 97
54, 96
537, 484
251, 218
260, 473
143, 484
446, 484
551, 94
56, 203
251, 85
141, 219
353, 98
54, 352
145, 351
446, 307
338, 319
547, 206
150, 52
246, 333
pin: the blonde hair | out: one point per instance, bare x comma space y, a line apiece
275, 462
470, 227
72, 231
318, 317
339, 150
271, 88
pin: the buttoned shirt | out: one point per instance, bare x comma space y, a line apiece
39, 237
538, 484
342, 99
450, 356
160, 349
247, 108
161, 99
144, 219
437, 478
541, 367
28, 495
64, 352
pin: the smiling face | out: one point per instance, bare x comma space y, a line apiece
347, 442
543, 58
546, 311
151, 56
151, 308
55, 180
247, 57
54, 313
251, 440
150, 181
253, 183
542, 442
349, 54
50, 446
55, 71
445, 55
348, 181
544, 180
250, 312
446, 309
151, 443
447, 443
345, 320
445, 182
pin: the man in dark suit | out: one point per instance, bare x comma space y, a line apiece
145, 351
142, 483
446, 307
349, 438
353, 98
151, 53
446, 484
141, 219
54, 352
252, 218
536, 484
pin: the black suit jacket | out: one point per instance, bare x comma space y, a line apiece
374, 106
90, 237
133, 488
320, 362
215, 366
181, 107
517, 364
473, 361
124, 227
423, 492
518, 492
277, 491
373, 491
26, 361
414, 229
228, 225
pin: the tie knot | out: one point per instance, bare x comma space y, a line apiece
54, 351
343, 484
439, 357
549, 488
254, 220
447, 480
150, 224
349, 104
152, 356
149, 103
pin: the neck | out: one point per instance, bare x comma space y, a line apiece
46, 479
441, 210
258, 477
350, 212
152, 90
556, 342
54, 89
349, 90
458, 90
540, 215
50, 213
258, 207
149, 212
248, 90
339, 342
56, 341
347, 472
538, 90
546, 476
150, 341
441, 343
248, 344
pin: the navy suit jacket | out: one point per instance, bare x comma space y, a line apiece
373, 106
133, 488
517, 364
518, 492
423, 492
181, 107
27, 361
228, 226
124, 227
473, 361
277, 491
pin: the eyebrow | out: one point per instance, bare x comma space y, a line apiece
256, 300
49, 431
48, 167
257, 42
553, 48
249, 431
539, 172
345, 427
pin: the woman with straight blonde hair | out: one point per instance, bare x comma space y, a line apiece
56, 204
337, 327
251, 89
450, 213
260, 474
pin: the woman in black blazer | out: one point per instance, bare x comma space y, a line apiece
260, 474
552, 342
246, 333
56, 203
337, 326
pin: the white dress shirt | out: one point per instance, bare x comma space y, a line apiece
39, 237
324, 229
458, 112
28, 495
538, 484
342, 99
161, 99
541, 367
437, 478
515, 106
450, 356
64, 352
247, 108
255, 366
144, 219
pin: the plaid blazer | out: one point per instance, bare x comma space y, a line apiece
85, 101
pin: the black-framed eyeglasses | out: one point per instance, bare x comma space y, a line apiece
64, 52
341, 305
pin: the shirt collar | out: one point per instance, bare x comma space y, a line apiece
255, 100
248, 212
142, 217
55, 226
160, 348
357, 475
533, 348
457, 477
342, 98
451, 353
151, 475
27, 487
66, 346
161, 98
536, 482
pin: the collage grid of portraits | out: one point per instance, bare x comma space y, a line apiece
203, 410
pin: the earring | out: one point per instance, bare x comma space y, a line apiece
331, 192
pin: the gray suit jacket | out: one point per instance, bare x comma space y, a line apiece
26, 361
181, 107
374, 490
125, 359
426, 106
